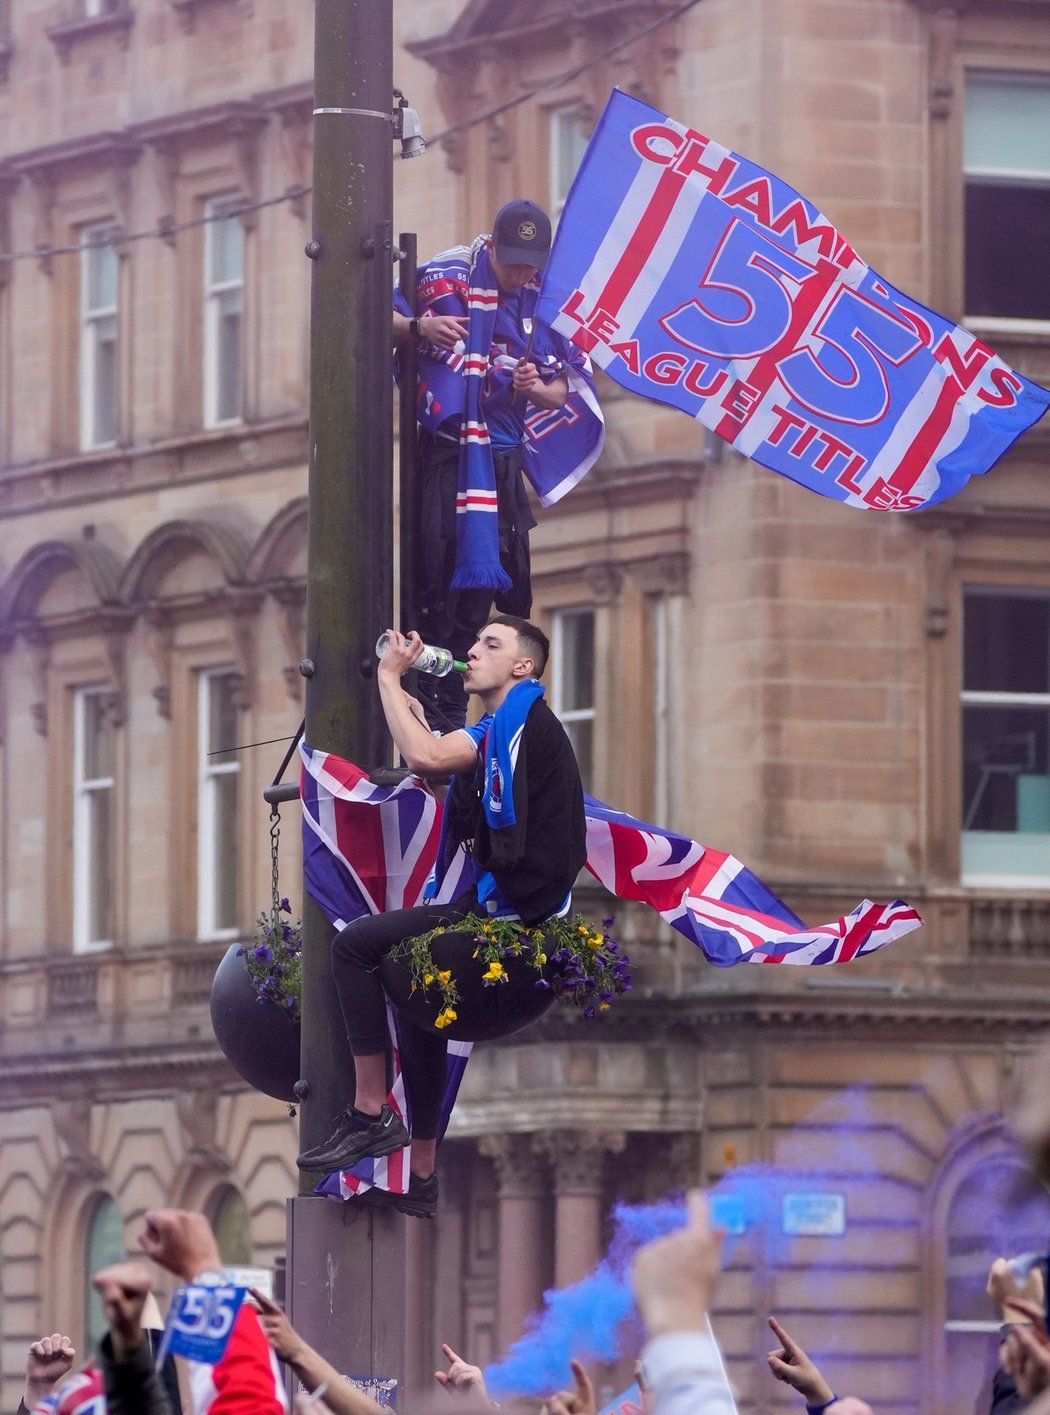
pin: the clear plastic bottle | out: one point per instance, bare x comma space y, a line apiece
431, 660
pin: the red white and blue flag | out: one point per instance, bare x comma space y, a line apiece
367, 849
719, 905
694, 277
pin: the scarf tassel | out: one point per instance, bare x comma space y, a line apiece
481, 577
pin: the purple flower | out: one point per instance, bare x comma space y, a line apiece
589, 1012
543, 985
262, 953
286, 906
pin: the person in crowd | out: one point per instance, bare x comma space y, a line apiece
309, 1366
133, 1384
1003, 1289
492, 382
674, 1279
48, 1360
519, 812
464, 1382
247, 1380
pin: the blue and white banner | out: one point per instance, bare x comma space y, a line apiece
695, 277
200, 1321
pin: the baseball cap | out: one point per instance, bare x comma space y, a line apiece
521, 234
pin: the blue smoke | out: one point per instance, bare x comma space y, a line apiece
596, 1319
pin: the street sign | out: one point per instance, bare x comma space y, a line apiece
814, 1215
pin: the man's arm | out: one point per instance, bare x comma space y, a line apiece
422, 752
527, 381
443, 330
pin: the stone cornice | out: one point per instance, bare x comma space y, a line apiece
36, 1078
978, 516
895, 1011
102, 149
205, 124
998, 8
117, 22
482, 22
86, 479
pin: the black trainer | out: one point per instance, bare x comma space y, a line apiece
355, 1136
420, 1201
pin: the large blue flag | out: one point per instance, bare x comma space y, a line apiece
697, 278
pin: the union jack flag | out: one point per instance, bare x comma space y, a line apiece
368, 848
719, 905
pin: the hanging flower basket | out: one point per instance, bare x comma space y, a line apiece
255, 1006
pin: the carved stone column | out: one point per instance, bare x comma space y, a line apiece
578, 1167
523, 1195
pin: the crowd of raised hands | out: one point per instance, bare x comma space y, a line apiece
680, 1369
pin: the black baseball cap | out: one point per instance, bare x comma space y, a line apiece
521, 234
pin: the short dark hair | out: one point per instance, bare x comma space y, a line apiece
532, 641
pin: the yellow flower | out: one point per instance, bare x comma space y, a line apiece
582, 929
428, 978
445, 1018
440, 930
494, 973
603, 1007
440, 1021
595, 941
445, 975
541, 958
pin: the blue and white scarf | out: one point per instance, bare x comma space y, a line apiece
501, 746
477, 511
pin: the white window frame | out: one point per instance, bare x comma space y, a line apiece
207, 815
90, 318
93, 9
569, 112
567, 716
990, 323
216, 210
979, 698
84, 843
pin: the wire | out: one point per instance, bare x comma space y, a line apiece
244, 746
171, 228
298, 192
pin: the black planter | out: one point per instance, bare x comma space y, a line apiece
257, 1038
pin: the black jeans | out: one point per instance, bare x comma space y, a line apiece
365, 975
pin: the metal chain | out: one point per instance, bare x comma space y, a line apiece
275, 888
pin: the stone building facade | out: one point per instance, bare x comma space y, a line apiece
855, 704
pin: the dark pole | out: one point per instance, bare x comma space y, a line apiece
407, 502
346, 1263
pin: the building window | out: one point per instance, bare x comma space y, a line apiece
232, 1228
103, 1246
98, 338
223, 312
568, 139
1007, 170
998, 1211
100, 7
217, 815
93, 768
1006, 738
572, 683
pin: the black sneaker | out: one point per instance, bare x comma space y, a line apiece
355, 1136
420, 1201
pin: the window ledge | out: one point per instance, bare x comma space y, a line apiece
118, 22
187, 10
